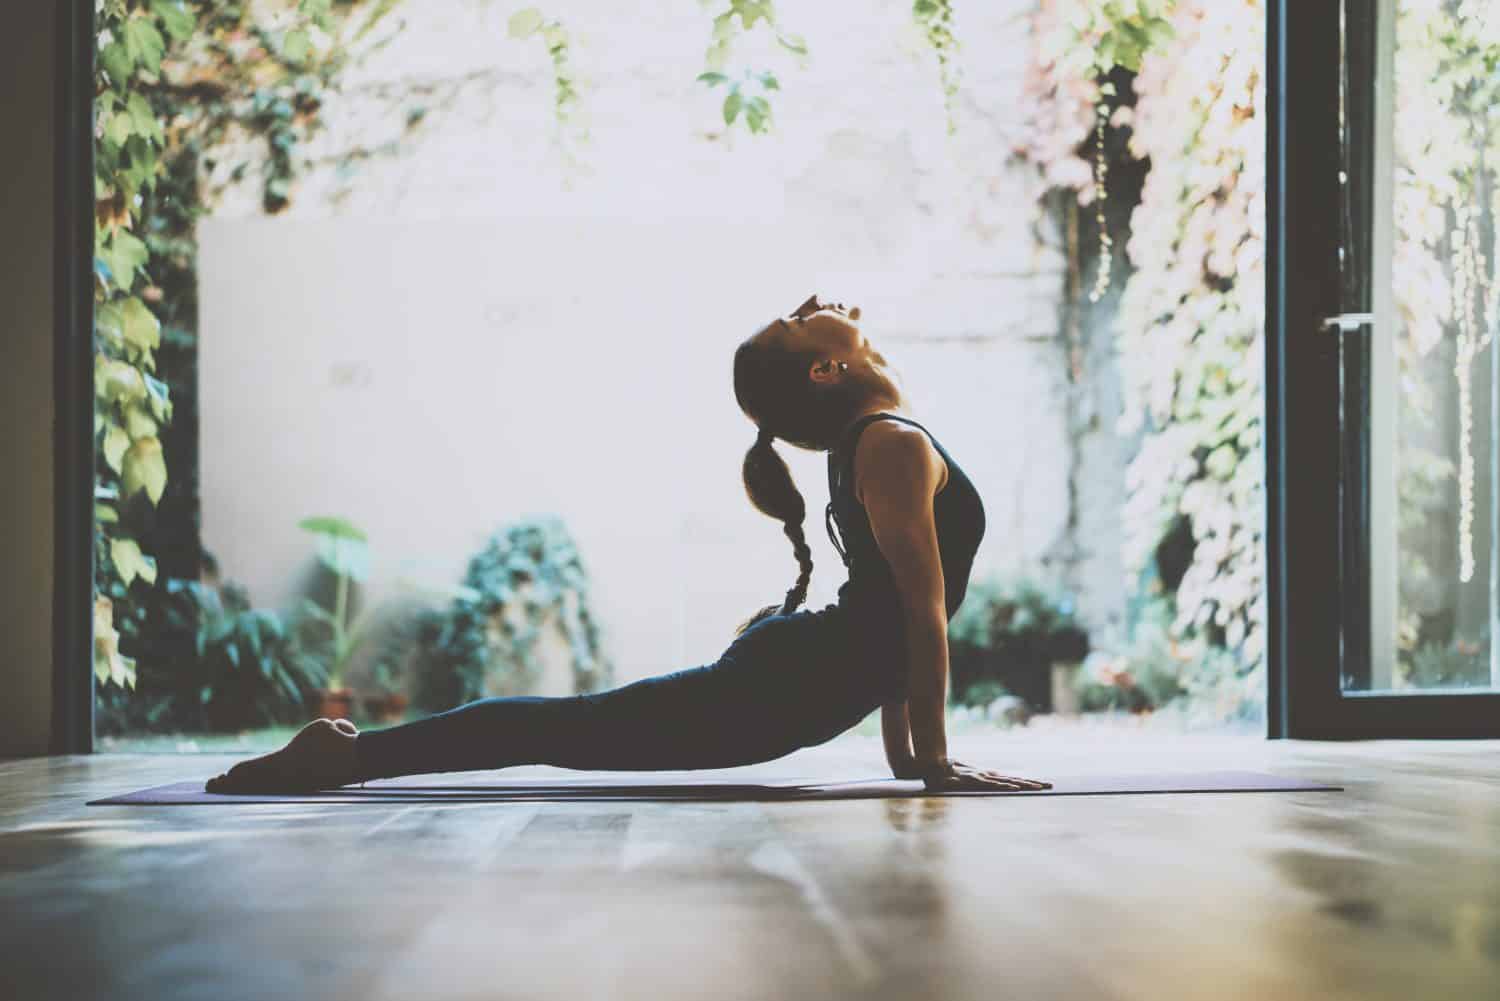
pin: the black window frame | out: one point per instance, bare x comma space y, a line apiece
73, 381
1317, 450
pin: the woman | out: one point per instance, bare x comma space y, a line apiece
910, 522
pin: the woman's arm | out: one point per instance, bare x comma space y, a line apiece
901, 473
897, 473
895, 730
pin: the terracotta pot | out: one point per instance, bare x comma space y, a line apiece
1065, 701
386, 708
333, 704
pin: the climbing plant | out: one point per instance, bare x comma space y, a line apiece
1447, 301
935, 18
747, 92
530, 22
181, 86
1188, 331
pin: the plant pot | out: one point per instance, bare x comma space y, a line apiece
386, 708
336, 703
1065, 700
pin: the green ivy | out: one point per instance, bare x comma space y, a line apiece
746, 93
935, 18
531, 22
172, 79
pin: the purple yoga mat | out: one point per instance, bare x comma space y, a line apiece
434, 789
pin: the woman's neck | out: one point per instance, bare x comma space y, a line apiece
877, 407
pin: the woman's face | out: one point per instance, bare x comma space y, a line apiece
828, 330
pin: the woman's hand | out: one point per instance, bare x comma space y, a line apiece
947, 775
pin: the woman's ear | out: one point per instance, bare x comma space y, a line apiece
825, 370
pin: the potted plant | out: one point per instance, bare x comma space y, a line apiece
524, 607
343, 550
1022, 636
387, 704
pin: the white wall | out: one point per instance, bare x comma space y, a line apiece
464, 333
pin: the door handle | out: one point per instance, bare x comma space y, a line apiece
1346, 323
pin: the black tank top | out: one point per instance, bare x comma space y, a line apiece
957, 509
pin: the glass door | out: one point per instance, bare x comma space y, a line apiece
1417, 367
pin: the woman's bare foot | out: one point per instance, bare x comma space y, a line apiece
320, 756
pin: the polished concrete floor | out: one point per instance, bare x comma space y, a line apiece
1390, 889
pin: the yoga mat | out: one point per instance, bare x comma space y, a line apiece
430, 789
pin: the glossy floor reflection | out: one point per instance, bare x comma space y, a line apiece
1390, 889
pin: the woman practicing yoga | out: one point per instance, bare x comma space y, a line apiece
909, 522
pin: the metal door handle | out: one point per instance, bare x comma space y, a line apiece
1347, 322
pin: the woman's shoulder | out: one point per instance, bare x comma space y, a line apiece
895, 449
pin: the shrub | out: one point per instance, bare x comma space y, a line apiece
529, 571
1010, 633
214, 662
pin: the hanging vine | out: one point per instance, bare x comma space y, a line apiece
531, 22
935, 18
747, 93
1471, 35
1084, 42
1189, 321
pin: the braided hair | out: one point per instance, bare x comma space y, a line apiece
768, 482
773, 390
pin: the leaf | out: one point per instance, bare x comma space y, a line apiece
118, 381
109, 324
712, 79
144, 44
752, 12
116, 441
138, 423
118, 128
296, 46
524, 23
332, 526
145, 468
176, 18
717, 56
124, 255
1160, 31
319, 12
117, 62
105, 514
757, 113
732, 107
130, 562
793, 43
140, 328
159, 396
143, 120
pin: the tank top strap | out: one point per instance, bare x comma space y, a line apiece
839, 461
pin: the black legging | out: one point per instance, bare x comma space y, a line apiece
788, 681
